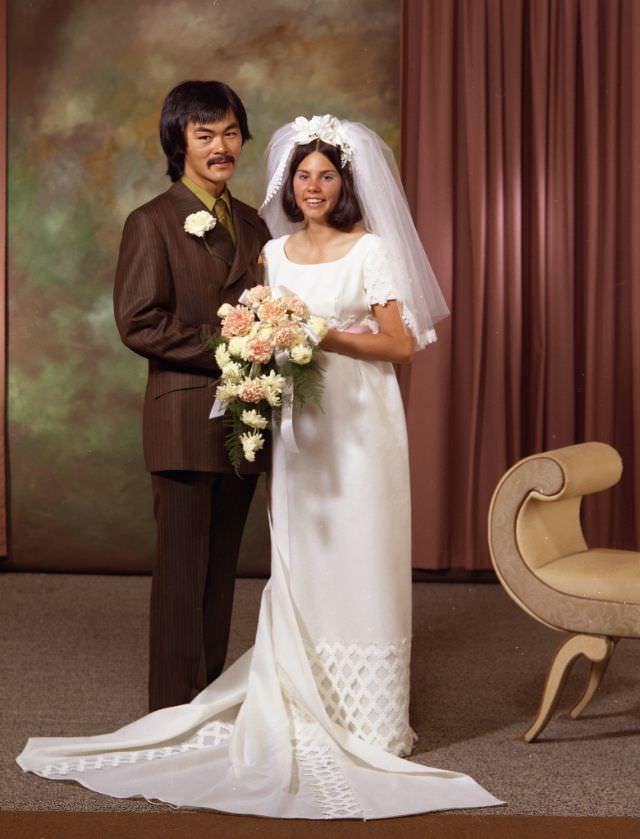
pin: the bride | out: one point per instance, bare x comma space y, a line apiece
313, 721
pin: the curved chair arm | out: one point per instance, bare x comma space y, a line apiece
563, 475
586, 468
548, 527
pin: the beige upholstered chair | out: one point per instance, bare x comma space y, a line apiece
541, 557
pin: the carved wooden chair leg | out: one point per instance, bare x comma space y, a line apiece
597, 671
595, 647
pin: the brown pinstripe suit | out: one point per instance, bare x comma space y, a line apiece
168, 289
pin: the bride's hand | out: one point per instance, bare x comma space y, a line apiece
354, 329
331, 341
391, 343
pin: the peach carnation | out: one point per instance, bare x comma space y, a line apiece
251, 390
237, 322
257, 294
297, 307
272, 311
259, 350
286, 336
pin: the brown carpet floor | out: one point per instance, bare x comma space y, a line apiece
212, 826
73, 662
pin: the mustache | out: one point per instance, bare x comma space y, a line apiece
221, 158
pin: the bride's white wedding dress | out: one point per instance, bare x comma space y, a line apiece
312, 721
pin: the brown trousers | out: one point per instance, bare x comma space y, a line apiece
200, 517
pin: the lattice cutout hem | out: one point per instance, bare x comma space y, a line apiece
209, 736
319, 771
365, 689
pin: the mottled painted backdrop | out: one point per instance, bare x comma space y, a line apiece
87, 78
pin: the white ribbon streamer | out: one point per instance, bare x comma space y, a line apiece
311, 334
218, 410
286, 418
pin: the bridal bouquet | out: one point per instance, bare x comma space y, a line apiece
266, 355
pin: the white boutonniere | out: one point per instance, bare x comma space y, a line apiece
197, 224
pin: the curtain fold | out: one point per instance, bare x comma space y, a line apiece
521, 123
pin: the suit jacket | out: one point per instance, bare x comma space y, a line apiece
167, 292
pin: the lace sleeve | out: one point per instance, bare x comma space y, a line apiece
378, 282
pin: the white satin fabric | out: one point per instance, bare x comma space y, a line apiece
310, 723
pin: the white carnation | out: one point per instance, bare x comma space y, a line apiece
301, 354
252, 442
238, 346
222, 355
254, 419
272, 397
224, 310
273, 381
232, 372
227, 391
198, 223
318, 325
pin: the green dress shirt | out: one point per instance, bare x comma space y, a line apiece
209, 202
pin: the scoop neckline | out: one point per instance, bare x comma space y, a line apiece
328, 262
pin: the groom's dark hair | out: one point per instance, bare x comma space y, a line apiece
201, 102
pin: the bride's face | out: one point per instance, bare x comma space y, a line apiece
316, 186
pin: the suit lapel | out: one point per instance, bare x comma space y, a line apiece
185, 203
244, 235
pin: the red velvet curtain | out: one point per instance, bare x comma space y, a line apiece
521, 133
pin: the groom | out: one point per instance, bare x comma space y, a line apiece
169, 286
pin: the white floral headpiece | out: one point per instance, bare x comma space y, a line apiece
327, 128
301, 131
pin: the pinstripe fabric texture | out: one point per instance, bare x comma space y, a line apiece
169, 286
167, 292
200, 516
